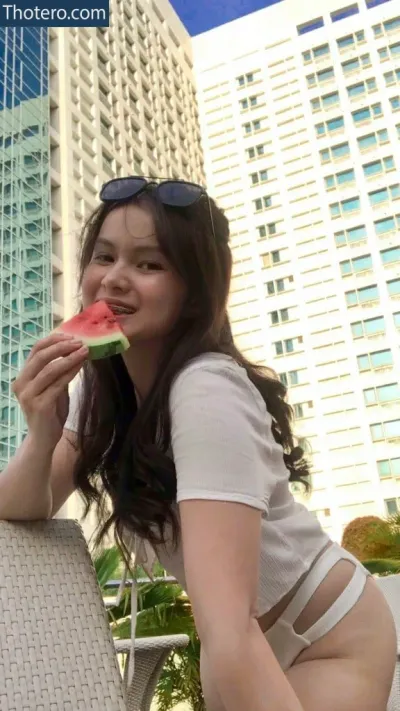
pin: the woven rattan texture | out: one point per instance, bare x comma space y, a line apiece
57, 652
390, 587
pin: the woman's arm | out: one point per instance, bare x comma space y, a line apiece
37, 481
221, 543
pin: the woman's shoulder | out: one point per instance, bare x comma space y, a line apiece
220, 374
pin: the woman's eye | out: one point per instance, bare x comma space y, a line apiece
150, 266
101, 257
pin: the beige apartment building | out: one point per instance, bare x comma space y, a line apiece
300, 120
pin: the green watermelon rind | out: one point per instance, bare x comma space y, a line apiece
99, 346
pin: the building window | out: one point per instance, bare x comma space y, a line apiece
350, 41
345, 12
390, 256
302, 409
355, 65
392, 51
387, 225
291, 377
330, 126
271, 258
369, 327
379, 196
267, 230
392, 77
374, 3
325, 102
395, 103
245, 79
344, 207
261, 176
256, 151
394, 287
396, 319
392, 505
389, 468
385, 430
335, 152
382, 394
252, 127
279, 316
355, 234
367, 114
373, 139
362, 87
357, 265
320, 77
289, 345
310, 26
362, 296
387, 27
262, 203
379, 166
279, 285
374, 361
315, 53
346, 177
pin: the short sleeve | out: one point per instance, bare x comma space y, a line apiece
220, 436
74, 407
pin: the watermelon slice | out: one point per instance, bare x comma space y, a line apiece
98, 329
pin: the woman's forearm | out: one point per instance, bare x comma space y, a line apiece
25, 490
246, 674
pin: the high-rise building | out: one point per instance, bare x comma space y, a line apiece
122, 103
25, 229
300, 121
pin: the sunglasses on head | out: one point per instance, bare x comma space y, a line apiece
172, 193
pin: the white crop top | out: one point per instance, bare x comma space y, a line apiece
223, 449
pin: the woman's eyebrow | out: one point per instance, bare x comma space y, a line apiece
104, 242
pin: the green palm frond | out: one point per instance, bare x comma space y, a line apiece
107, 564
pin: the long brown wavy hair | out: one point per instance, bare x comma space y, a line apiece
123, 466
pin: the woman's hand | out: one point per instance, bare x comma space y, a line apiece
41, 387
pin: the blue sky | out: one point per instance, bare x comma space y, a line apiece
201, 15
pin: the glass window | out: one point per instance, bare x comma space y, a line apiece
344, 42
335, 124
279, 348
294, 377
392, 506
391, 255
388, 224
388, 393
343, 149
347, 176
396, 318
381, 359
392, 429
384, 468
356, 89
367, 141
330, 99
350, 66
394, 287
395, 102
361, 115
379, 196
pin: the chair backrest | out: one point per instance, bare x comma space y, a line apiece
390, 586
56, 647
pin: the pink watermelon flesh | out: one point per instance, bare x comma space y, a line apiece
99, 330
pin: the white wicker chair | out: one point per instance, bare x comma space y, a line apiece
390, 586
56, 648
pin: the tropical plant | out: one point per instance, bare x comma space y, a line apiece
386, 537
163, 609
375, 542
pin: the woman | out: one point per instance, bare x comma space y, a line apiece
193, 447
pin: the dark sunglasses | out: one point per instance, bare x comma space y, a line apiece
173, 193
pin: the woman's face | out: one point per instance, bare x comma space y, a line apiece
127, 266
